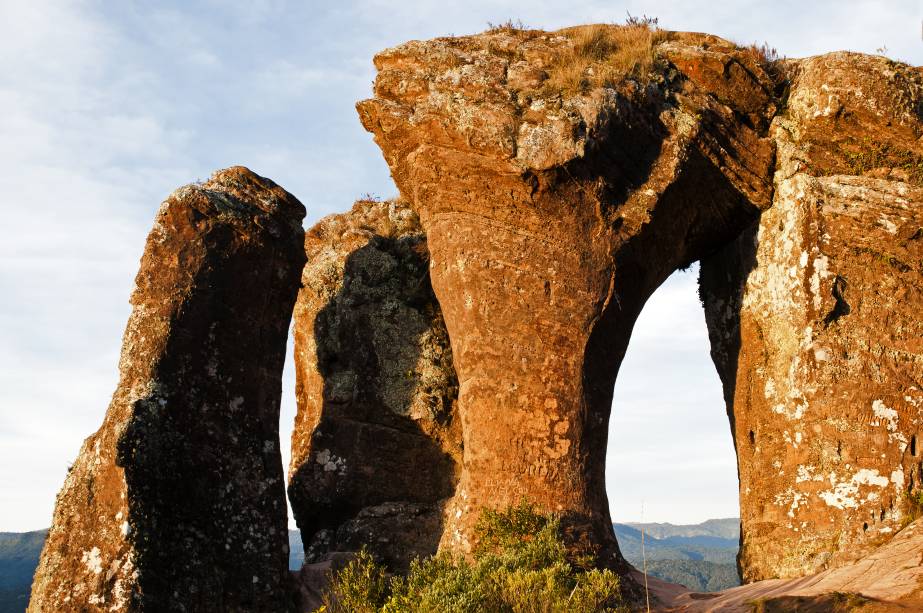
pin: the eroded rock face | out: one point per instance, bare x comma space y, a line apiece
551, 216
814, 318
376, 444
177, 502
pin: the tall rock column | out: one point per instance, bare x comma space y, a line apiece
177, 502
376, 444
815, 321
553, 207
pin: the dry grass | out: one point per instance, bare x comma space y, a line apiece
507, 26
602, 55
769, 58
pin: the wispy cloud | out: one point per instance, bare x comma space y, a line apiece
107, 107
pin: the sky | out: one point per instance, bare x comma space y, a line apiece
107, 107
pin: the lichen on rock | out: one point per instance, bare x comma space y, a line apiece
814, 320
376, 441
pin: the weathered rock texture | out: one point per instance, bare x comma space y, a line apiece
890, 574
815, 321
177, 502
551, 216
376, 444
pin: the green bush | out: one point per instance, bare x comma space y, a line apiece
520, 565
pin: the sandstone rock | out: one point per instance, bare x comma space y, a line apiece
890, 574
814, 319
551, 216
177, 502
376, 441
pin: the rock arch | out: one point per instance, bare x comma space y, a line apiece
550, 219
552, 216
542, 214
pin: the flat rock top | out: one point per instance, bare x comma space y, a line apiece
536, 97
240, 190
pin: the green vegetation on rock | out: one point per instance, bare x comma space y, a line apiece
520, 565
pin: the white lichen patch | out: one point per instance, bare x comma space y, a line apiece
331, 462
897, 478
806, 473
92, 560
887, 224
883, 412
845, 494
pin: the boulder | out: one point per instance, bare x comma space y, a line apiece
376, 443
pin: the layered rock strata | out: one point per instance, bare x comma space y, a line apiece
376, 444
814, 319
553, 208
177, 502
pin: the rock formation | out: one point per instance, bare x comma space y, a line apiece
376, 442
550, 183
551, 215
177, 502
555, 205
814, 318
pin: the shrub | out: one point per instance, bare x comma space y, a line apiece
520, 565
914, 506
360, 587
507, 26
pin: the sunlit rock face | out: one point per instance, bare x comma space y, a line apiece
177, 502
376, 444
456, 349
551, 215
814, 318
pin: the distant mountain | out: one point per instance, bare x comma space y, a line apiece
727, 528
19, 552
703, 557
697, 575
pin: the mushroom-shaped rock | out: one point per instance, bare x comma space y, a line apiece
177, 502
560, 177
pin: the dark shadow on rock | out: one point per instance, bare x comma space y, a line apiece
382, 453
206, 495
722, 282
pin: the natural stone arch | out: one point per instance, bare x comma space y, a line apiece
560, 213
550, 219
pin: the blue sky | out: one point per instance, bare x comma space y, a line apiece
106, 107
